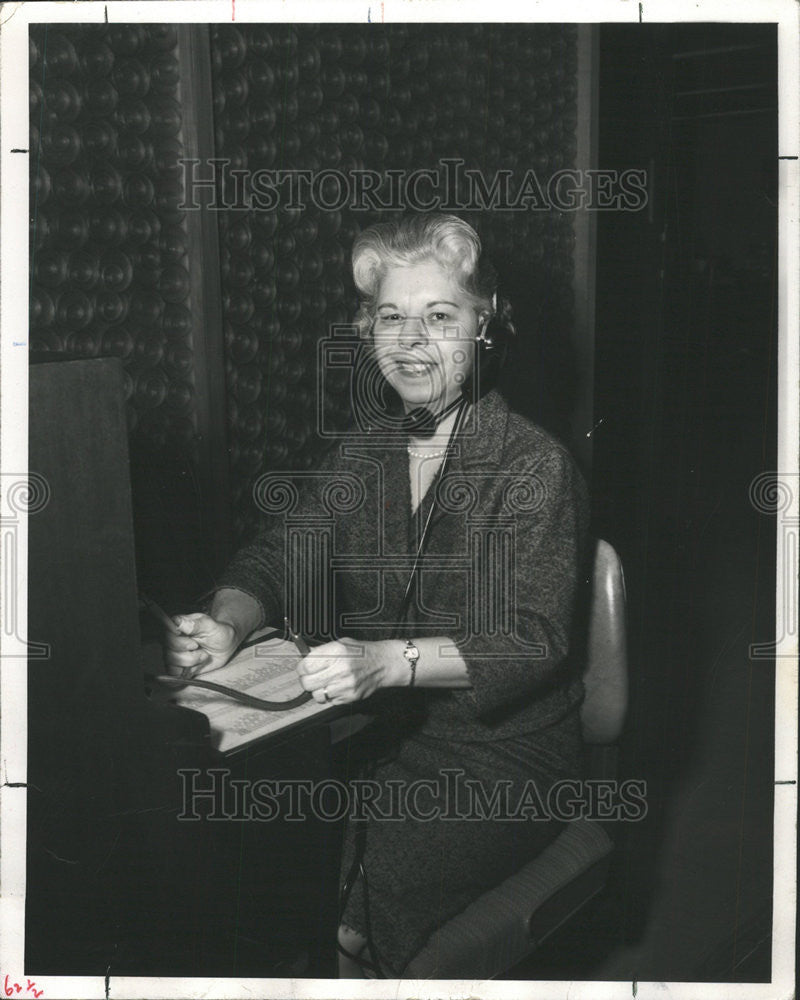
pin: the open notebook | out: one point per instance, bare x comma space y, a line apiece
265, 668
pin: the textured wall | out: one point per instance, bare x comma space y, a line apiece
109, 254
399, 97
110, 258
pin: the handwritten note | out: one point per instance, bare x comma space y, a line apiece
12, 988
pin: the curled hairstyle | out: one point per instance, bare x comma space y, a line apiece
414, 239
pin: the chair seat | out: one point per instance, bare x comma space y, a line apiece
499, 929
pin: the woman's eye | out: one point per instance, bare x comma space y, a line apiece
439, 317
390, 318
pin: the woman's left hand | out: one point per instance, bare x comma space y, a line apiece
344, 671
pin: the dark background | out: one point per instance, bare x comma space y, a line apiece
685, 364
216, 317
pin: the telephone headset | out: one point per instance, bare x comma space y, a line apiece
491, 349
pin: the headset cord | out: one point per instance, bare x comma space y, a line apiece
423, 541
357, 867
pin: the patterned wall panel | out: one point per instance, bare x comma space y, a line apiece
383, 98
109, 269
110, 265
110, 254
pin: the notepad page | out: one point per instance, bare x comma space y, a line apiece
266, 670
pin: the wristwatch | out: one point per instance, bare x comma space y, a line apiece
411, 653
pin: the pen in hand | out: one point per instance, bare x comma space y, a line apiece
300, 643
240, 696
302, 647
159, 614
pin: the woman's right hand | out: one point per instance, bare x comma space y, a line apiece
202, 644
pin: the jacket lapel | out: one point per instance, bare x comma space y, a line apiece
478, 448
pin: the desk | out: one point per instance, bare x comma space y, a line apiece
255, 895
115, 880
266, 901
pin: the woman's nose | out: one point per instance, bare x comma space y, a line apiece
413, 331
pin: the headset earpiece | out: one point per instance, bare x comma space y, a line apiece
490, 351
493, 334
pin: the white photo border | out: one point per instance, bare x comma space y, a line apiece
14, 170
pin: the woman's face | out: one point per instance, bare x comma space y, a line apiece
424, 335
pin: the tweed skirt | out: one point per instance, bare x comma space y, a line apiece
447, 821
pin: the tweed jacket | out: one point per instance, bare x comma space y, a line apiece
499, 576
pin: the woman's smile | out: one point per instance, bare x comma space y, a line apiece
424, 334
414, 367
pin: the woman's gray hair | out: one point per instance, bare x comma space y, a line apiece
446, 239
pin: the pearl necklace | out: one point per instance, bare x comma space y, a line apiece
426, 454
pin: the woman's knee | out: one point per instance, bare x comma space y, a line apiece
351, 939
352, 945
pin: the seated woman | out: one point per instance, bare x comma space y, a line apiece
455, 628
